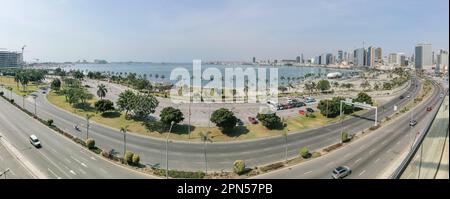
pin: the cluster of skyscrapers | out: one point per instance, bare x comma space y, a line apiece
422, 58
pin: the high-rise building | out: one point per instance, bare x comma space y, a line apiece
423, 56
298, 59
370, 56
402, 60
359, 57
254, 59
393, 59
442, 61
301, 59
378, 56
340, 56
10, 59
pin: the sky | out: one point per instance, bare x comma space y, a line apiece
231, 30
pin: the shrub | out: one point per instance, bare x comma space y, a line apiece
270, 121
332, 147
128, 157
272, 167
135, 159
224, 119
49, 122
1, 93
304, 152
90, 143
316, 154
104, 105
79, 141
344, 137
11, 100
310, 115
105, 154
239, 167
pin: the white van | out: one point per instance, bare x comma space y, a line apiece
35, 141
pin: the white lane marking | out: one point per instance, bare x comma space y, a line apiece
377, 160
93, 158
357, 160
307, 172
79, 162
73, 172
1, 158
53, 173
371, 151
362, 173
68, 160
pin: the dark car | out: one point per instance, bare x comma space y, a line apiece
341, 172
252, 120
429, 108
401, 96
239, 122
310, 110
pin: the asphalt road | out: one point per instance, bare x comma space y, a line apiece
370, 156
16, 169
220, 156
59, 157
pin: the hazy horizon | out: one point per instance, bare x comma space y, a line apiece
178, 32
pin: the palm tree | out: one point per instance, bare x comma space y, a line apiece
101, 92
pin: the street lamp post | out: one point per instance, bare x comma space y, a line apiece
35, 109
23, 101
167, 149
124, 131
4, 172
88, 116
205, 138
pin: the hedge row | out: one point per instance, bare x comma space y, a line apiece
180, 174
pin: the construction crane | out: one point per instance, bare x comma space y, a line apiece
23, 48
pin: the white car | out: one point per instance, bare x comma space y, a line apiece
341, 172
35, 141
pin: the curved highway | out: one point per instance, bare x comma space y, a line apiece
375, 155
190, 156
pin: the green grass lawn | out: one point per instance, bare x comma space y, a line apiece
180, 132
9, 82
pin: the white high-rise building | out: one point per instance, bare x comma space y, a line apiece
442, 61
393, 59
423, 56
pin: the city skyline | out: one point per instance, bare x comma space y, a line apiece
159, 31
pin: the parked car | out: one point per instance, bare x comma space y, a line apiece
239, 122
310, 110
412, 123
310, 99
35, 141
429, 108
401, 97
408, 96
341, 172
252, 120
